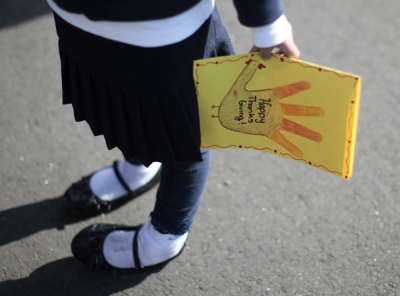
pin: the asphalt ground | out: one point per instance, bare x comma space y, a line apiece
266, 225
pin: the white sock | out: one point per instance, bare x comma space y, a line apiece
106, 186
154, 247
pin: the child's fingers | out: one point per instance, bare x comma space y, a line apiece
265, 53
254, 49
288, 48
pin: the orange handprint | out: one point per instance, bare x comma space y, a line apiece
259, 112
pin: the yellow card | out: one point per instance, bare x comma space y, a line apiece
287, 107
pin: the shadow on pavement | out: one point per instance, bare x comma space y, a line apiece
69, 277
13, 12
32, 218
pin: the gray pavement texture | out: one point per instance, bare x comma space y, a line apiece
266, 225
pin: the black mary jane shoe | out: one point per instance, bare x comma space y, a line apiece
81, 201
87, 246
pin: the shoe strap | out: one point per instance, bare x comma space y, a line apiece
120, 179
135, 248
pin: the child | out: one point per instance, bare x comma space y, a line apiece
127, 70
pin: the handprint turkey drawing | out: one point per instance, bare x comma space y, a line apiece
261, 112
290, 108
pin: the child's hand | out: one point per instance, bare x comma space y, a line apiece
287, 48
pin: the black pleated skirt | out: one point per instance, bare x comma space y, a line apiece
142, 100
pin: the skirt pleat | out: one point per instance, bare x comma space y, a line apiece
89, 103
76, 91
120, 117
107, 127
65, 82
174, 113
154, 125
136, 126
142, 101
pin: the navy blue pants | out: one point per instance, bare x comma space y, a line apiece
179, 194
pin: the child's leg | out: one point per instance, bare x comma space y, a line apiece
179, 195
162, 237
